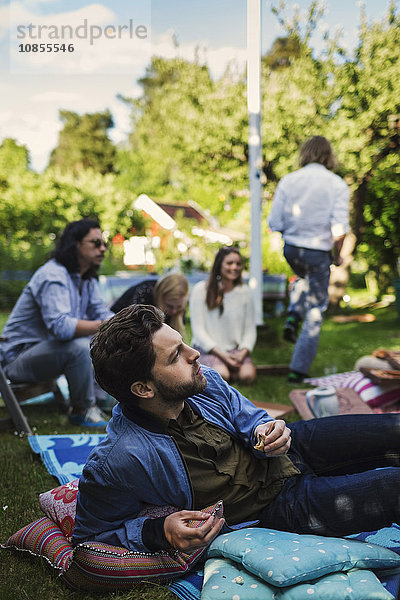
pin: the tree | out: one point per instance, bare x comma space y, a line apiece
84, 143
366, 128
34, 208
14, 158
189, 137
282, 52
354, 102
189, 133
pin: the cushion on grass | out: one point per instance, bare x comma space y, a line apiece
43, 538
59, 505
282, 558
99, 566
226, 579
374, 395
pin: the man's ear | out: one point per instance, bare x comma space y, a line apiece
141, 389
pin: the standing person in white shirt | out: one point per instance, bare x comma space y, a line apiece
222, 319
311, 210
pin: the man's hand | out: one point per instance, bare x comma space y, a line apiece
337, 261
85, 328
187, 539
277, 437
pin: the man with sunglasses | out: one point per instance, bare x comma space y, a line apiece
49, 330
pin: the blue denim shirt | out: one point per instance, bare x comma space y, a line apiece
137, 465
49, 308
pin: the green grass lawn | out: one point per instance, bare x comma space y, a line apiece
23, 477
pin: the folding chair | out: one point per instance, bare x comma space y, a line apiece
12, 392
11, 402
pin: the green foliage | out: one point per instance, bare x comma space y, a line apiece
10, 291
380, 244
189, 137
282, 52
83, 143
34, 209
13, 158
366, 131
189, 133
354, 102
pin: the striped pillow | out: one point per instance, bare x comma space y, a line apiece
43, 538
374, 395
98, 566
102, 567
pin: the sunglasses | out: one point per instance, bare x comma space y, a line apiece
98, 243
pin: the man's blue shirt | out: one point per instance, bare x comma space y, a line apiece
49, 308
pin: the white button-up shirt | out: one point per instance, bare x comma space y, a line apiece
311, 208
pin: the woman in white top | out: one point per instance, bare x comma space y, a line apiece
222, 319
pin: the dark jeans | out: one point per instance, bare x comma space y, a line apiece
50, 359
308, 300
350, 477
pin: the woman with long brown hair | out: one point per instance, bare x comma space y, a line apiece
222, 319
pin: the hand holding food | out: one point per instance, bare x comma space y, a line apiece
273, 438
260, 442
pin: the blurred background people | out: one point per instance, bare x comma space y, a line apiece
222, 319
311, 210
49, 329
169, 293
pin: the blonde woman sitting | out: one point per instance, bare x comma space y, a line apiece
222, 319
169, 293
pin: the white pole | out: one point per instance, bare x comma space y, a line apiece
255, 150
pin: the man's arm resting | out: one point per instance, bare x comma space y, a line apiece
153, 535
85, 328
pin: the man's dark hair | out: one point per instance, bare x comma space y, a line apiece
66, 251
122, 349
317, 149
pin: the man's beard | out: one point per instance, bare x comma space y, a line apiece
177, 393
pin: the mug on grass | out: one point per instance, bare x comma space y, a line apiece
322, 401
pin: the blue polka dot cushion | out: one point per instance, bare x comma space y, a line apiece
226, 579
281, 558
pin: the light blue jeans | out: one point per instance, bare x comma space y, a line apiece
50, 359
308, 300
